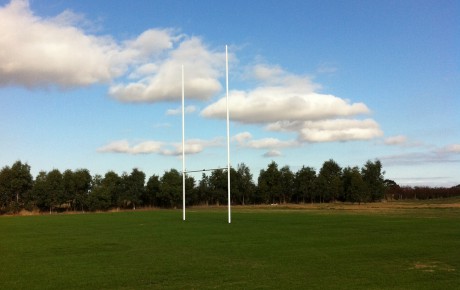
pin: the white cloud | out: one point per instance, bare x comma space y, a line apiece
146, 147
274, 75
143, 71
161, 80
58, 52
193, 146
330, 130
123, 146
446, 154
242, 138
41, 52
151, 42
245, 140
435, 181
264, 72
270, 143
339, 130
271, 104
282, 96
453, 148
178, 111
272, 153
402, 141
411, 158
289, 103
396, 140
70, 18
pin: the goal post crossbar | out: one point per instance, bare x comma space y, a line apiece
203, 170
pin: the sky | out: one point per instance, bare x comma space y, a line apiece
97, 85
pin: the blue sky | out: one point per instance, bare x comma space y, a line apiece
96, 85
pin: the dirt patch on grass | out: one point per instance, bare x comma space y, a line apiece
432, 266
24, 212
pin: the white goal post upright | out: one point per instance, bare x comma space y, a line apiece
228, 142
228, 139
183, 147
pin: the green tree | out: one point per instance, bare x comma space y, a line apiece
329, 183
190, 191
48, 189
204, 190
287, 184
112, 182
354, 187
304, 185
244, 185
15, 184
100, 197
41, 192
69, 194
104, 192
5, 189
55, 187
392, 189
170, 194
218, 182
133, 188
82, 181
373, 177
152, 190
269, 183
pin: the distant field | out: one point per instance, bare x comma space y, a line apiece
407, 245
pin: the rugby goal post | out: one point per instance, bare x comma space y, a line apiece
184, 172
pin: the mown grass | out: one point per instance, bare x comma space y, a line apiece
261, 249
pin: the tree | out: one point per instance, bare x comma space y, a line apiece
48, 189
15, 184
55, 187
151, 191
354, 187
70, 192
204, 190
218, 182
170, 194
190, 191
100, 197
269, 183
391, 189
104, 192
287, 184
41, 192
5, 189
83, 180
304, 184
133, 188
244, 185
329, 181
373, 177
112, 183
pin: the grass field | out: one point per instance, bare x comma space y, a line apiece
409, 248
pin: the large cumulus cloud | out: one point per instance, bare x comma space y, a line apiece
286, 102
37, 52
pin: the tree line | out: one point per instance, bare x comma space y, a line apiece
78, 190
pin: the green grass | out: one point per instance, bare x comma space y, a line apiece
261, 249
